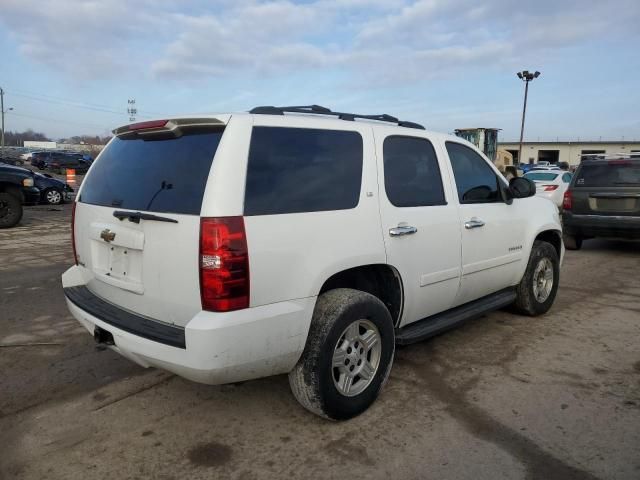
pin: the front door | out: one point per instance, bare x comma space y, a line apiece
421, 228
493, 233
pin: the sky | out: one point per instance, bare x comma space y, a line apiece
69, 67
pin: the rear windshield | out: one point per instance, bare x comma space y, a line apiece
608, 175
545, 177
165, 175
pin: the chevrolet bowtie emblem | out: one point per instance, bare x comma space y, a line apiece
107, 235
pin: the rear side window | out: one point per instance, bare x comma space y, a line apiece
294, 170
611, 174
411, 172
165, 175
475, 179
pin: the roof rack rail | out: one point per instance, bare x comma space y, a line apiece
319, 110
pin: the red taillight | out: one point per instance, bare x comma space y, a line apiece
73, 232
224, 264
567, 200
550, 188
149, 124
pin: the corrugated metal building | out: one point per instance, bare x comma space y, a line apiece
533, 152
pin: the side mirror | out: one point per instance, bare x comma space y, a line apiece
521, 187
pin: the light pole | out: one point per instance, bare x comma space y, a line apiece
3, 112
526, 76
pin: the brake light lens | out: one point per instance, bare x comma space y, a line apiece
224, 264
73, 232
149, 124
567, 200
550, 188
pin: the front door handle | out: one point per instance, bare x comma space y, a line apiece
402, 230
473, 223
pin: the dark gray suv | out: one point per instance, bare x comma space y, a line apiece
603, 200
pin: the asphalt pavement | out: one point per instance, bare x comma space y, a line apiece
502, 397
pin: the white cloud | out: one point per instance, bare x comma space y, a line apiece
380, 41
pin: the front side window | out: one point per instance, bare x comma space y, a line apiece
411, 172
476, 181
541, 176
294, 170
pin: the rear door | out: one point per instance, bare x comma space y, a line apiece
420, 222
137, 220
607, 188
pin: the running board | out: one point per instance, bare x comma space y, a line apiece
430, 326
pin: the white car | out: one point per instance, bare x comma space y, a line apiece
299, 240
550, 184
545, 168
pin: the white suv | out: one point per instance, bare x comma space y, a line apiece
299, 240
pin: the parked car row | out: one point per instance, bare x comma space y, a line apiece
21, 186
58, 162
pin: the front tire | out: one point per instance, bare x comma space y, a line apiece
53, 196
348, 355
537, 290
10, 210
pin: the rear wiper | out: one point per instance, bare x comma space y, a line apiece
135, 217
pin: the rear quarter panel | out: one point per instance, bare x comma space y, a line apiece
291, 255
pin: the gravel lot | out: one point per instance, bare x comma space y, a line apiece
557, 397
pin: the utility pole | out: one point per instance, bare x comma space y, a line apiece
526, 77
2, 110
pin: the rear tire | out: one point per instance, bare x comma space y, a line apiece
572, 242
348, 355
10, 210
538, 288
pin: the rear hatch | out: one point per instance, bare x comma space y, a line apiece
607, 188
137, 219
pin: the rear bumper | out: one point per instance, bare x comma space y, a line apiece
218, 347
611, 226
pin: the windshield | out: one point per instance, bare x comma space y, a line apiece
544, 177
165, 175
609, 174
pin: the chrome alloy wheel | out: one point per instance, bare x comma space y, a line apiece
543, 280
356, 358
54, 197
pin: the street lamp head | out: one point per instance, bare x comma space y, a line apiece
10, 108
527, 76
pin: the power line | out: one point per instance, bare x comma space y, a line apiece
70, 104
56, 120
73, 103
62, 99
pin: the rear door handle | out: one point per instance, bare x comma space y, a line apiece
402, 230
473, 223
